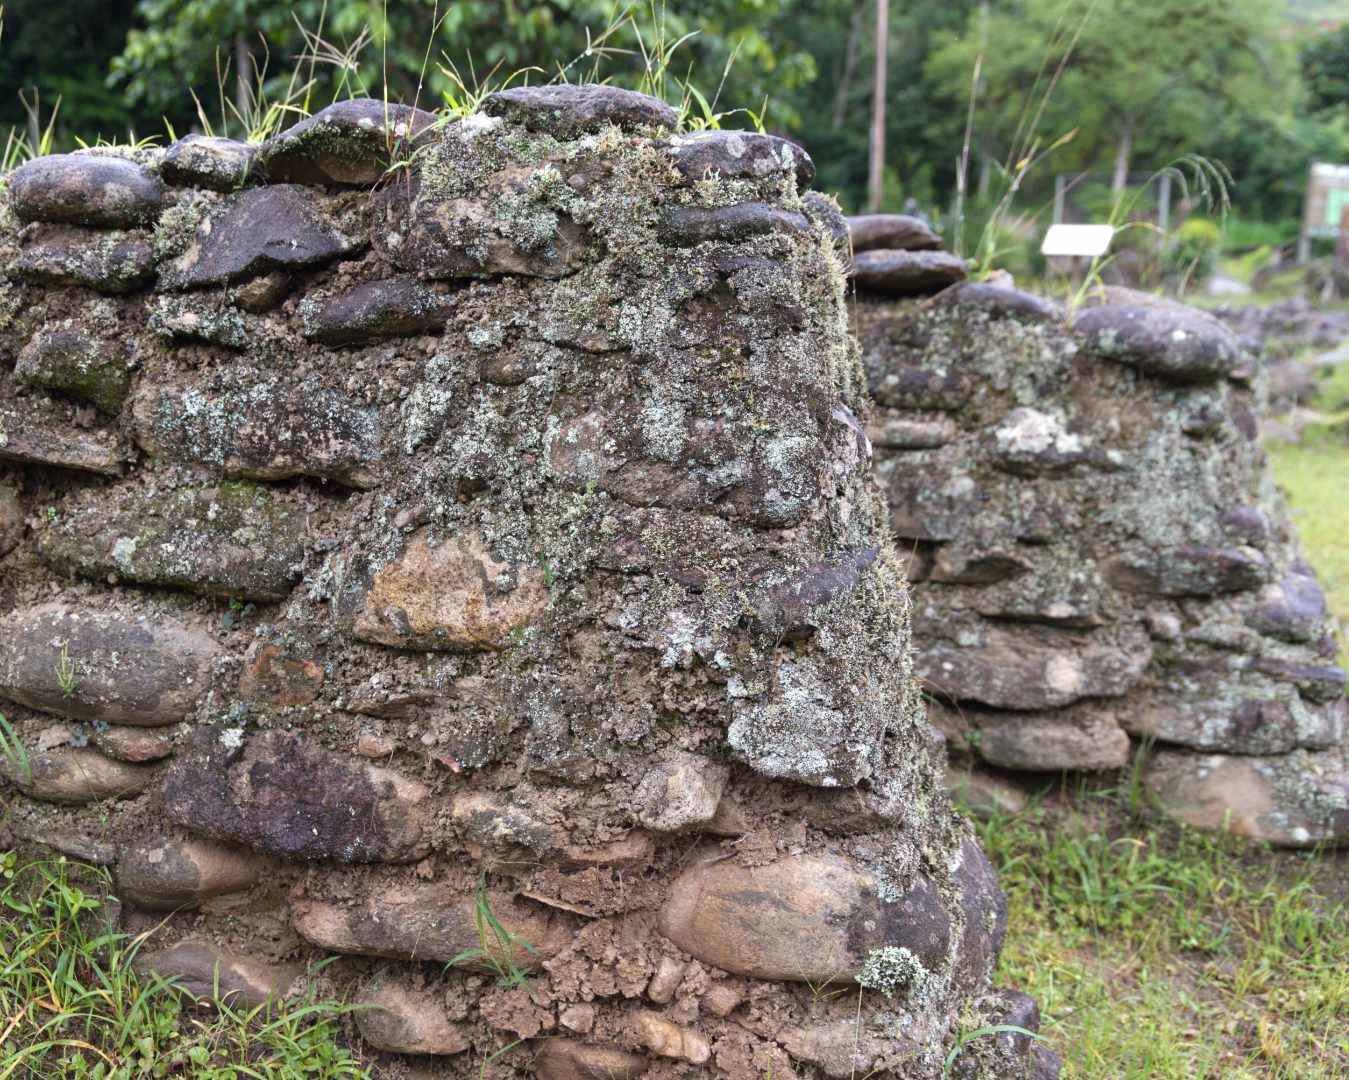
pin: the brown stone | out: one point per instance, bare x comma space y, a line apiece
394, 307
666, 1039
568, 110
804, 918
76, 775
169, 873
891, 232
170, 672
984, 795
739, 155
110, 262
567, 1059
278, 794
669, 974
33, 433
208, 974
1051, 741
397, 1019
450, 595
274, 677
208, 161
11, 519
136, 745
904, 273
431, 922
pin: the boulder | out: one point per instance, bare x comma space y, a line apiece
452, 594
1173, 342
349, 144
238, 540
208, 161
100, 190
739, 155
169, 873
906, 273
398, 1019
208, 973
74, 662
279, 227
802, 919
280, 795
108, 262
568, 110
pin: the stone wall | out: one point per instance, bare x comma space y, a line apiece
1098, 552
495, 533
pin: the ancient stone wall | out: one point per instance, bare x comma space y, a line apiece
492, 535
1098, 551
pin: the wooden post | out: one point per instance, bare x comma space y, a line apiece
876, 170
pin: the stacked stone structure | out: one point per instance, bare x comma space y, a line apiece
384, 548
1098, 552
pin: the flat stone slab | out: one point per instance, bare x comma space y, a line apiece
686, 226
1082, 739
109, 261
34, 432
1190, 571
278, 227
1170, 342
85, 189
348, 144
739, 155
75, 775
891, 232
263, 431
202, 969
568, 110
907, 273
280, 795
146, 669
236, 540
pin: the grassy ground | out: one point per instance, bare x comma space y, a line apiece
1158, 952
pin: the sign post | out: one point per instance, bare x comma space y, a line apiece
1327, 199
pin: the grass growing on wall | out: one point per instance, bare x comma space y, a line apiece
72, 1007
1159, 952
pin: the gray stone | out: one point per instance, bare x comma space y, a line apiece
170, 873
1316, 682
911, 432
262, 431
85, 189
985, 909
567, 110
208, 161
1033, 667
234, 541
1190, 571
32, 433
208, 973
193, 318
739, 155
686, 226
793, 608
279, 227
681, 794
906, 273
278, 794
891, 232
76, 775
109, 262
73, 359
349, 143
1172, 343
1001, 302
800, 919
395, 307
983, 795
12, 517
171, 669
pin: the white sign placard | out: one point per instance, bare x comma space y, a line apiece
1088, 240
